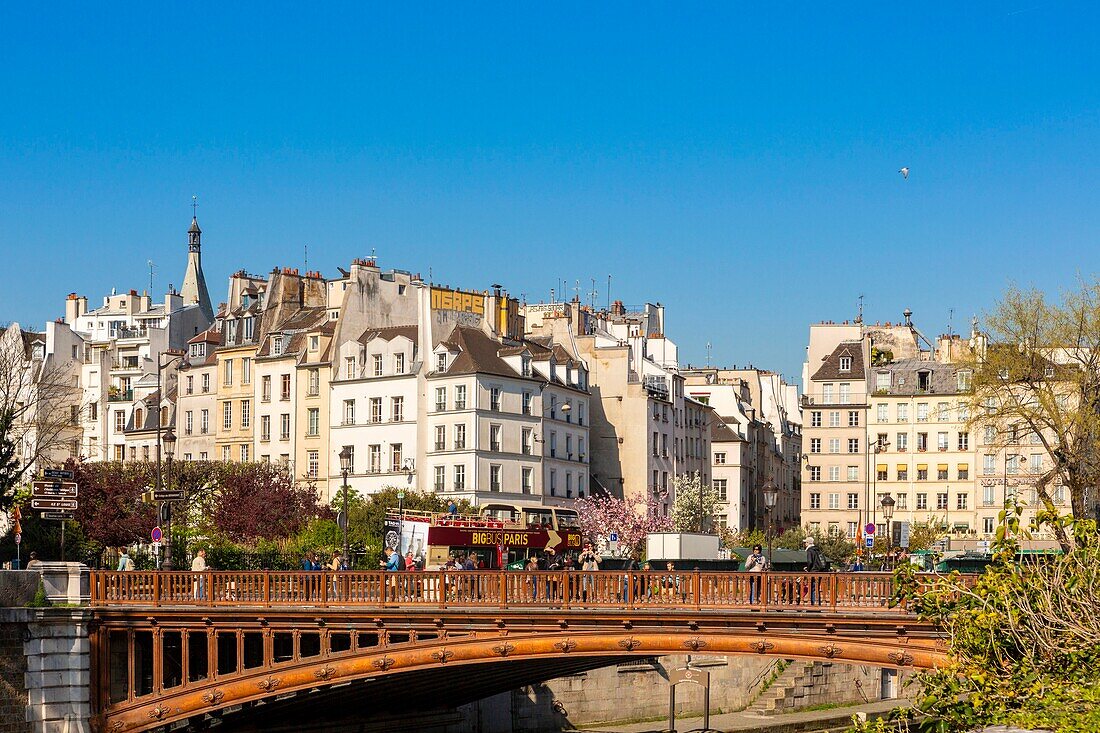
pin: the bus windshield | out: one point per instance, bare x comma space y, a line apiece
567, 519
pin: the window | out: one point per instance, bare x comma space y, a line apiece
988, 525
580, 413
815, 501
205, 383
495, 432
664, 445
903, 473
526, 480
834, 445
853, 473
227, 415
227, 453
989, 435
963, 381
495, 472
941, 500
882, 382
922, 501
526, 403
1012, 465
375, 409
441, 363
397, 409
989, 464
378, 365
526, 441
1036, 463
494, 399
460, 437
960, 501
285, 393
903, 502
460, 477
815, 445
244, 453
963, 470
834, 473
396, 457
815, 473
460, 396
656, 443
845, 393
964, 441
277, 344
440, 399
440, 479
853, 445
881, 413
398, 363
569, 446
204, 422
190, 384
374, 458
903, 412
188, 422
941, 441
246, 371
246, 413
815, 418
719, 485
853, 418
834, 419
227, 372
313, 421
314, 383
313, 463
554, 443
882, 473
314, 343
941, 472
349, 367
922, 412
903, 442
349, 412
834, 501
943, 412
120, 421
284, 426
265, 388
845, 363
719, 459
440, 437
827, 394
922, 441
964, 412
922, 472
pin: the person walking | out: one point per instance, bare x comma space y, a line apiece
198, 566
590, 562
755, 563
392, 563
125, 562
33, 563
815, 563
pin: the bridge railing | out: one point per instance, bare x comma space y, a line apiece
554, 589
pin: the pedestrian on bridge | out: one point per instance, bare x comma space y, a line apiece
755, 563
125, 562
198, 565
815, 563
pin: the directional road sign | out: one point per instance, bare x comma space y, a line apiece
58, 515
54, 489
53, 504
57, 473
168, 495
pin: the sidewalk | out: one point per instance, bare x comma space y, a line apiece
832, 719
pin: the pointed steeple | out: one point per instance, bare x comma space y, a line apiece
194, 283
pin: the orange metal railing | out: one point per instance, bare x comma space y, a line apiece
864, 592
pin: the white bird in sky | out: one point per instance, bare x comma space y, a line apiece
904, 172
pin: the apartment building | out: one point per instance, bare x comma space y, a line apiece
312, 402
241, 322
196, 401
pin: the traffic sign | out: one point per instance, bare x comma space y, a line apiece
58, 515
156, 534
53, 504
53, 488
57, 473
168, 495
869, 541
613, 537
869, 529
18, 537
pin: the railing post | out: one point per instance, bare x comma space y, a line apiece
835, 580
156, 589
267, 589
697, 582
442, 588
766, 588
324, 589
503, 585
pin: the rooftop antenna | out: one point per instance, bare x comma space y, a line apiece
305, 264
593, 294
194, 207
609, 291
552, 295
708, 355
950, 321
859, 318
152, 268
577, 291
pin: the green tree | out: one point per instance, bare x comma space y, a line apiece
695, 504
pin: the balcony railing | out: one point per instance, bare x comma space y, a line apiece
121, 395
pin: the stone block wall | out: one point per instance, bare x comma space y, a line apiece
13, 667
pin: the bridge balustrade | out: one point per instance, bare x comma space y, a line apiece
558, 589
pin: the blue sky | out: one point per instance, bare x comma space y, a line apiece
737, 164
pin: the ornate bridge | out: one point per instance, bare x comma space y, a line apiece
170, 647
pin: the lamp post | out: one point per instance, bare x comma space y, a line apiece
771, 498
168, 440
166, 509
400, 516
888, 514
345, 468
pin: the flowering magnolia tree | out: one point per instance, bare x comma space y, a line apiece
632, 519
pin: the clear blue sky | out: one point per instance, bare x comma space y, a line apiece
738, 165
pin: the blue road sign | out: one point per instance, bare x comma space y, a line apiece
869, 541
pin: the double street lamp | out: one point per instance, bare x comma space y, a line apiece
771, 498
345, 469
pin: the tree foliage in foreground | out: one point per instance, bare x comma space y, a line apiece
1024, 641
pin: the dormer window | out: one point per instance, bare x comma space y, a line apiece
924, 381
314, 343
198, 350
1048, 372
441, 362
845, 363
963, 381
277, 344
232, 330
248, 326
526, 366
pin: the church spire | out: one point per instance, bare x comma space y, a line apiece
194, 282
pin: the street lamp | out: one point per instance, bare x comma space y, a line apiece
400, 516
168, 440
157, 484
888, 514
345, 468
771, 498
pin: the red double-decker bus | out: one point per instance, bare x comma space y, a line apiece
499, 534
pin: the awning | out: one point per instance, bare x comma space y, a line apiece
922, 466
882, 467
964, 466
903, 466
941, 467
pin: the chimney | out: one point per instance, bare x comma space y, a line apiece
72, 308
